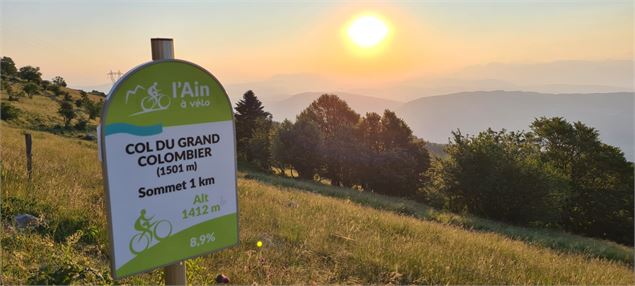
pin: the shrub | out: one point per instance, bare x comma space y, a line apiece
8, 111
81, 124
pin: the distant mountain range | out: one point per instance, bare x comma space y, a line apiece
290, 107
433, 118
598, 93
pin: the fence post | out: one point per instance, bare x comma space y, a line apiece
29, 160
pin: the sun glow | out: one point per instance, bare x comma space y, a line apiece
367, 31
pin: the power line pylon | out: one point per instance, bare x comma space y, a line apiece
114, 76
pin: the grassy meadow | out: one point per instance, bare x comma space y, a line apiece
311, 233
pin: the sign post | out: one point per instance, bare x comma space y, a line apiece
168, 152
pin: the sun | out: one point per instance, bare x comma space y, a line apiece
367, 31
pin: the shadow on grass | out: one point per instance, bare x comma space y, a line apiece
557, 240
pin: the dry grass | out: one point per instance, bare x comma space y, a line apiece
307, 237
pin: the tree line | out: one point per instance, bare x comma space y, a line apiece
330, 141
558, 175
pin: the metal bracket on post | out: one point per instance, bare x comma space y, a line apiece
163, 49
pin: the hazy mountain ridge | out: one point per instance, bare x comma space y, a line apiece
433, 118
292, 106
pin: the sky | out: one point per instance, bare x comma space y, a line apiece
242, 41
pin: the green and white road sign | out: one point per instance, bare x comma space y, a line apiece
167, 144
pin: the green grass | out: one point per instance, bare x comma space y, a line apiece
311, 233
557, 240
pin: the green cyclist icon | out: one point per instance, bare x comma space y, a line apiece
148, 231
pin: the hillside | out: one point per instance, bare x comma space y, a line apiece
311, 232
433, 118
41, 111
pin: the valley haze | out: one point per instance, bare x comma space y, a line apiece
496, 95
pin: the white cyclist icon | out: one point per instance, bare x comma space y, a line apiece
154, 101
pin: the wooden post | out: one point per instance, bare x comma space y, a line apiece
29, 160
175, 274
164, 49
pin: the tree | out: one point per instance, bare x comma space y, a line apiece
59, 81
498, 175
296, 146
304, 148
280, 144
30, 89
30, 73
599, 200
67, 112
252, 121
7, 67
393, 160
259, 145
336, 122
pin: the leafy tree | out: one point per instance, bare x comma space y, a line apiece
252, 121
298, 145
336, 121
281, 143
67, 112
7, 67
8, 111
59, 81
599, 201
30, 89
497, 175
259, 145
393, 161
30, 73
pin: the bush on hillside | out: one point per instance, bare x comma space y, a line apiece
559, 175
59, 81
599, 197
67, 112
81, 124
8, 111
498, 175
31, 74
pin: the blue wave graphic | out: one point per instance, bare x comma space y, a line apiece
133, 129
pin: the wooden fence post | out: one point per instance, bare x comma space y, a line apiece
29, 160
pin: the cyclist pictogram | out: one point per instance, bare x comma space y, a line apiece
153, 101
148, 232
